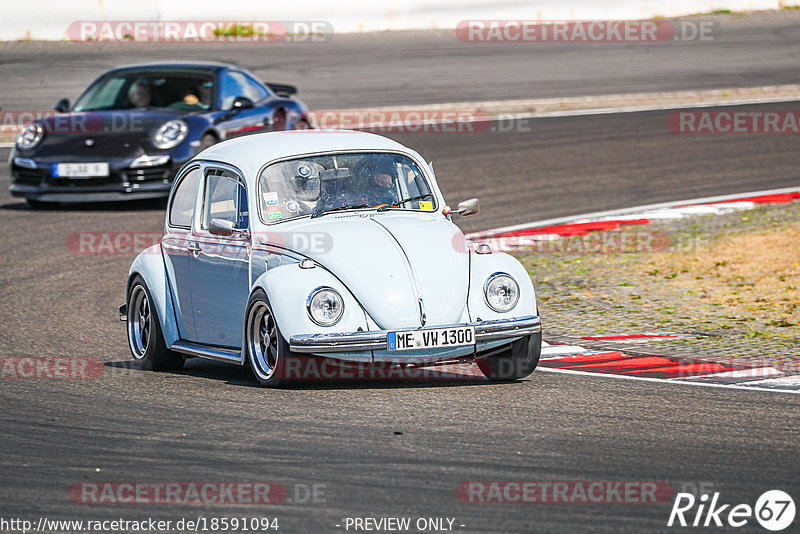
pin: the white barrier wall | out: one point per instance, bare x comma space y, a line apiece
49, 19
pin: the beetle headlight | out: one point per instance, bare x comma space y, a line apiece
325, 306
30, 136
502, 292
170, 134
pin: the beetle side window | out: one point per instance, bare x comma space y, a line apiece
182, 208
225, 198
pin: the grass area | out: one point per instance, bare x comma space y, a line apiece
733, 279
238, 30
758, 273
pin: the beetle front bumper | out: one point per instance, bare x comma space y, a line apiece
378, 340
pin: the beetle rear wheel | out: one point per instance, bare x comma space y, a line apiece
145, 338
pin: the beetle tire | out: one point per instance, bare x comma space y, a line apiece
517, 362
269, 362
145, 339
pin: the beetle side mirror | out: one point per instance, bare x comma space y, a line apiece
226, 228
221, 227
241, 103
62, 106
468, 207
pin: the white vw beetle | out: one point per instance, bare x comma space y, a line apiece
286, 246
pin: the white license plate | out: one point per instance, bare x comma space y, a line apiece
80, 170
433, 338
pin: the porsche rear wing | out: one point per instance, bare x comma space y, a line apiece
282, 89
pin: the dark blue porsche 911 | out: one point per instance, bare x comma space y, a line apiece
131, 130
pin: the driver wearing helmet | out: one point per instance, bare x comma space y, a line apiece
377, 176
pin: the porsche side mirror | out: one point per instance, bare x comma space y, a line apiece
242, 102
468, 207
62, 106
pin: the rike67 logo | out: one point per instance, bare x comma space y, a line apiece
774, 510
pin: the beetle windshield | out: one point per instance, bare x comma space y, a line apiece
138, 89
318, 184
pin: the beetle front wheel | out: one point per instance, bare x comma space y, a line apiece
515, 363
267, 350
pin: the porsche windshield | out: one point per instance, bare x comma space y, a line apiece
320, 184
140, 89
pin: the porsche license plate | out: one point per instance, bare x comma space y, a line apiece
80, 170
433, 338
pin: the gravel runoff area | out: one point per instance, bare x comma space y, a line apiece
727, 287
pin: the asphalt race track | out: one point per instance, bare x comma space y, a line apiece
414, 67
389, 448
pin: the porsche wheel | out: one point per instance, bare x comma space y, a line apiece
267, 350
517, 362
145, 338
207, 140
279, 121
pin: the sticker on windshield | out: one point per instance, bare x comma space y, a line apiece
272, 205
270, 198
426, 204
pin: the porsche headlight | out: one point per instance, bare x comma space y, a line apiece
502, 292
170, 134
325, 306
30, 136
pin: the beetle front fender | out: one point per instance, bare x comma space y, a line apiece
482, 266
149, 264
288, 288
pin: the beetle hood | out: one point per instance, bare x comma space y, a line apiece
391, 260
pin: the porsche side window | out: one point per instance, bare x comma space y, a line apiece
255, 91
233, 86
225, 198
182, 208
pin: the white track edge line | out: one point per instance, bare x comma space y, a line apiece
665, 381
629, 211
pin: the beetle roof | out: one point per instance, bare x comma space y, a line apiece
251, 152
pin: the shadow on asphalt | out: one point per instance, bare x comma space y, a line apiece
128, 205
236, 375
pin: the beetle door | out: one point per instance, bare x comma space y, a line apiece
219, 270
176, 245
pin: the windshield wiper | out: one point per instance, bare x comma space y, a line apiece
397, 204
340, 208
